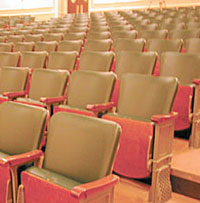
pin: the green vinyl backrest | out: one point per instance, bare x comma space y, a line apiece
96, 61
9, 58
125, 44
88, 87
184, 66
135, 62
13, 79
144, 96
81, 148
34, 59
62, 60
48, 83
21, 127
164, 45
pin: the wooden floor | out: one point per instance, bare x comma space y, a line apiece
129, 191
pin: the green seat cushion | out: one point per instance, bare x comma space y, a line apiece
3, 155
53, 177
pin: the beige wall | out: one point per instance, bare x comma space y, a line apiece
141, 4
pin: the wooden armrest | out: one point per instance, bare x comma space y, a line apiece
14, 94
21, 158
100, 107
163, 118
88, 189
196, 81
51, 100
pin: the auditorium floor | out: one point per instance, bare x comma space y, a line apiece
129, 191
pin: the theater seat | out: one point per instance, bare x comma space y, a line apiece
47, 87
185, 66
77, 165
10, 59
70, 45
98, 45
6, 47
21, 129
144, 113
24, 46
12, 80
96, 61
62, 60
87, 87
48, 46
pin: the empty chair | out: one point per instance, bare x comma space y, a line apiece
153, 34
68, 176
53, 37
34, 60
9, 59
75, 36
128, 44
46, 46
132, 34
144, 113
132, 62
193, 25
78, 29
99, 28
99, 35
121, 28
87, 87
96, 61
6, 47
13, 81
59, 30
62, 60
184, 34
70, 45
192, 45
40, 31
24, 46
149, 27
98, 45
21, 129
47, 87
184, 66
172, 26
34, 38
16, 38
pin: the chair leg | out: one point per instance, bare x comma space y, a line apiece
161, 186
20, 194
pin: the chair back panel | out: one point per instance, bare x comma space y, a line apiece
9, 58
96, 61
135, 62
13, 79
70, 45
34, 59
47, 83
21, 127
184, 66
90, 88
144, 96
81, 148
62, 60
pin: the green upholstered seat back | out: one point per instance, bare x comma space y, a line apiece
13, 79
153, 34
48, 83
135, 62
70, 45
34, 59
144, 96
87, 87
81, 148
122, 44
48, 46
192, 45
96, 61
24, 46
21, 127
9, 58
6, 47
98, 45
184, 66
163, 45
62, 60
